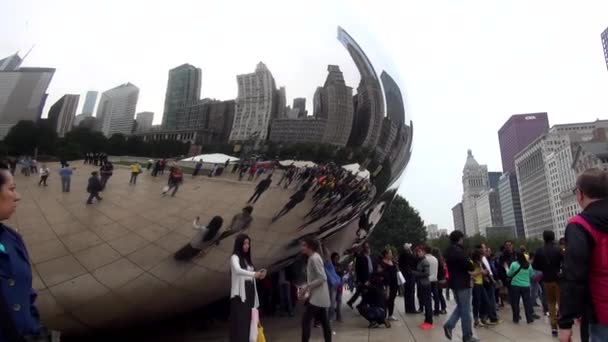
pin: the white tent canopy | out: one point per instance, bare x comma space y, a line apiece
213, 158
356, 170
297, 163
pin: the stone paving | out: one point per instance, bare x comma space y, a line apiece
354, 329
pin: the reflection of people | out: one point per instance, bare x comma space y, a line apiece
293, 201
202, 239
260, 189
239, 223
94, 188
316, 290
243, 294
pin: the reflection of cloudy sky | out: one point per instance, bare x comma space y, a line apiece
466, 65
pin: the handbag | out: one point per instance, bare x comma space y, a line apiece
400, 278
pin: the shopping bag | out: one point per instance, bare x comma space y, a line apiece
400, 278
253, 328
261, 336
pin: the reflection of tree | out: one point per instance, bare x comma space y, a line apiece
400, 223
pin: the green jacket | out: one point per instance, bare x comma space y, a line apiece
523, 276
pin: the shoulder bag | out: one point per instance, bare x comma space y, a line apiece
510, 279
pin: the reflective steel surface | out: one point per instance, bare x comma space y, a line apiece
317, 112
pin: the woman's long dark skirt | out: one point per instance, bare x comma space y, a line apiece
240, 315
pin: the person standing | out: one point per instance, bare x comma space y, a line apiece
94, 188
335, 259
176, 177
479, 296
584, 286
548, 260
440, 304
316, 291
66, 177
490, 316
390, 281
197, 167
260, 189
135, 171
407, 263
520, 273
44, 175
106, 171
364, 267
459, 282
243, 293
422, 274
433, 277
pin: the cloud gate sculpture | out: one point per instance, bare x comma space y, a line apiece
336, 153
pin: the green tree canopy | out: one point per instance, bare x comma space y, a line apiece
26, 136
494, 242
400, 224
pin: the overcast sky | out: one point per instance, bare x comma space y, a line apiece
465, 66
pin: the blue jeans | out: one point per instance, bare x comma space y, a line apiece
598, 332
462, 311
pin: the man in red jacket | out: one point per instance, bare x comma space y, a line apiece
584, 288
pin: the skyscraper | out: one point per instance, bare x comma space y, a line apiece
89, 103
281, 103
337, 107
517, 133
254, 105
605, 44
22, 94
458, 216
144, 121
474, 182
10, 63
299, 103
62, 114
116, 109
183, 88
510, 205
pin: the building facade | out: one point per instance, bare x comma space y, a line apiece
605, 45
11, 63
474, 182
510, 206
90, 100
336, 106
488, 210
22, 94
458, 217
194, 136
144, 121
517, 133
299, 103
63, 113
307, 130
116, 110
254, 105
183, 88
211, 115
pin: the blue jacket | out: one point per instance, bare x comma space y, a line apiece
16, 283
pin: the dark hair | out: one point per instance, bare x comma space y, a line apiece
593, 183
479, 246
427, 249
214, 225
548, 236
476, 255
437, 254
311, 243
562, 241
248, 209
3, 167
385, 252
521, 259
244, 258
508, 241
456, 236
334, 254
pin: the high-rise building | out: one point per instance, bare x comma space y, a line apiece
211, 118
304, 130
488, 210
254, 105
281, 103
605, 45
336, 107
299, 103
317, 102
62, 114
368, 102
183, 88
510, 205
89, 102
221, 116
144, 121
517, 133
474, 182
458, 216
10, 63
22, 93
116, 110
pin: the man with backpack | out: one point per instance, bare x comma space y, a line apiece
584, 287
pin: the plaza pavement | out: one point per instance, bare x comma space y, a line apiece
354, 329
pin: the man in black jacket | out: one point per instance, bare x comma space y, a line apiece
585, 269
548, 260
261, 188
407, 263
459, 266
364, 267
94, 187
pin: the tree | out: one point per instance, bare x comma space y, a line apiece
401, 223
494, 242
88, 140
117, 144
26, 136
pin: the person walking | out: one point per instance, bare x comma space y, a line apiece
490, 316
197, 167
66, 177
364, 267
20, 320
243, 293
202, 239
176, 177
459, 282
390, 282
407, 263
106, 171
335, 259
333, 282
94, 187
44, 175
260, 189
584, 286
294, 200
135, 171
422, 274
548, 260
520, 273
315, 291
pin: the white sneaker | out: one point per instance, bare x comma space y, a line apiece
393, 318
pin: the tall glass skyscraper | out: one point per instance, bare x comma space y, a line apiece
517, 133
183, 88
